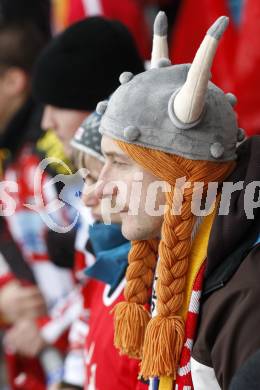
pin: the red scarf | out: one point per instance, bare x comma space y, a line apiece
184, 380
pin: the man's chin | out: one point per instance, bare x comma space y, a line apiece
133, 230
133, 234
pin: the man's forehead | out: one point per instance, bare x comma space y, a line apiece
110, 147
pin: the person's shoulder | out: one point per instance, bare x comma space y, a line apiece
239, 282
247, 275
229, 317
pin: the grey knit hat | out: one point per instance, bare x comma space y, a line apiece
175, 108
87, 138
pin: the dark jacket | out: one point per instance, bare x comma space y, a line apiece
228, 331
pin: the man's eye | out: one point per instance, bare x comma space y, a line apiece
117, 163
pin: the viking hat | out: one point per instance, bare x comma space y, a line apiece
175, 108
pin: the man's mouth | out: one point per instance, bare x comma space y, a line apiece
124, 211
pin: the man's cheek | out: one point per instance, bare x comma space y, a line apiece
136, 192
155, 200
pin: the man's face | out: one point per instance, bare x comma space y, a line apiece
89, 197
133, 191
64, 122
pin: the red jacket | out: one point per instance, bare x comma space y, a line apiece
129, 12
93, 358
236, 64
105, 368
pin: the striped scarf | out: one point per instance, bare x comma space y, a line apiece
184, 380
190, 310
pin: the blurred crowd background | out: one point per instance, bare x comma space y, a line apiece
236, 66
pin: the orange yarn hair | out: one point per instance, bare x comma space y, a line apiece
159, 341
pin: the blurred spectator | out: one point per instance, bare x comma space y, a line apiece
75, 71
79, 68
237, 62
129, 12
29, 283
31, 11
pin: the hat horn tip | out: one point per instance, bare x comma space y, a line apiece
161, 24
217, 29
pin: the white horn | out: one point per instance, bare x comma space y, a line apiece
189, 102
160, 42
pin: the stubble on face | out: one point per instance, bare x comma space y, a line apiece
142, 225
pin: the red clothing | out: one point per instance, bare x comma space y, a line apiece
247, 65
30, 367
129, 12
184, 379
23, 245
236, 64
189, 32
28, 230
91, 336
106, 369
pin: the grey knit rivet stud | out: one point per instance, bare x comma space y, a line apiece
231, 98
131, 133
101, 107
163, 63
241, 135
125, 77
217, 150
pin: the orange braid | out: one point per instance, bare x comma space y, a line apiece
164, 335
132, 314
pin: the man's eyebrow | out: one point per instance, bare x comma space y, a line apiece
115, 154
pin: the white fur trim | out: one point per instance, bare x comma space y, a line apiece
203, 377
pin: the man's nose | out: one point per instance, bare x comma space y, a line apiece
105, 187
89, 196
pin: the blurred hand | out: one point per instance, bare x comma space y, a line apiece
17, 301
24, 338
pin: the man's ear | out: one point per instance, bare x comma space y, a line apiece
16, 81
